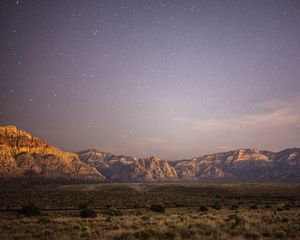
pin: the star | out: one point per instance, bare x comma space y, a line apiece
149, 61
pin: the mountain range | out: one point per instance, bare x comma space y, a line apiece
27, 158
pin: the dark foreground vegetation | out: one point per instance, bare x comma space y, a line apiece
151, 211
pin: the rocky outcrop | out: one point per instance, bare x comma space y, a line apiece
11, 136
129, 169
25, 156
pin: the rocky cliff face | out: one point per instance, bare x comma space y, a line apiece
25, 156
243, 164
124, 168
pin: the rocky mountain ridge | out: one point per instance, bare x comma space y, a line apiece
125, 168
23, 156
243, 164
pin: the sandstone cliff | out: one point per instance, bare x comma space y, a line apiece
25, 156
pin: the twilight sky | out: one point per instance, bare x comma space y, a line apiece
175, 79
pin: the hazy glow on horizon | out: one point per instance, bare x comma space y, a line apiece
175, 79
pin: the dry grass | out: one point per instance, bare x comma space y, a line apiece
276, 216
143, 224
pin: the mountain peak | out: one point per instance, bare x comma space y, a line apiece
154, 158
10, 135
248, 150
10, 128
22, 156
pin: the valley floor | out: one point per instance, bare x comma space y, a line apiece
192, 211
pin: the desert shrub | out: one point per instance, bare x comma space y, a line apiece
137, 205
88, 213
157, 208
31, 209
76, 227
145, 234
287, 206
138, 213
169, 235
86, 232
252, 206
83, 206
149, 234
186, 233
279, 208
218, 196
234, 207
116, 227
44, 220
265, 232
48, 233
280, 234
145, 218
216, 206
203, 208
112, 211
252, 235
282, 207
179, 204
233, 221
236, 219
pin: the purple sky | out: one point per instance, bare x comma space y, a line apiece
175, 79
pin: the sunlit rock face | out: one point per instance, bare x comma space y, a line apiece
243, 164
125, 168
25, 156
15, 138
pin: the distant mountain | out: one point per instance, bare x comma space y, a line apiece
243, 164
23, 156
129, 169
238, 165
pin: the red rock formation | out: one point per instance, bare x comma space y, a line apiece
25, 156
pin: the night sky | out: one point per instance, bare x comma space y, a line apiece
175, 79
